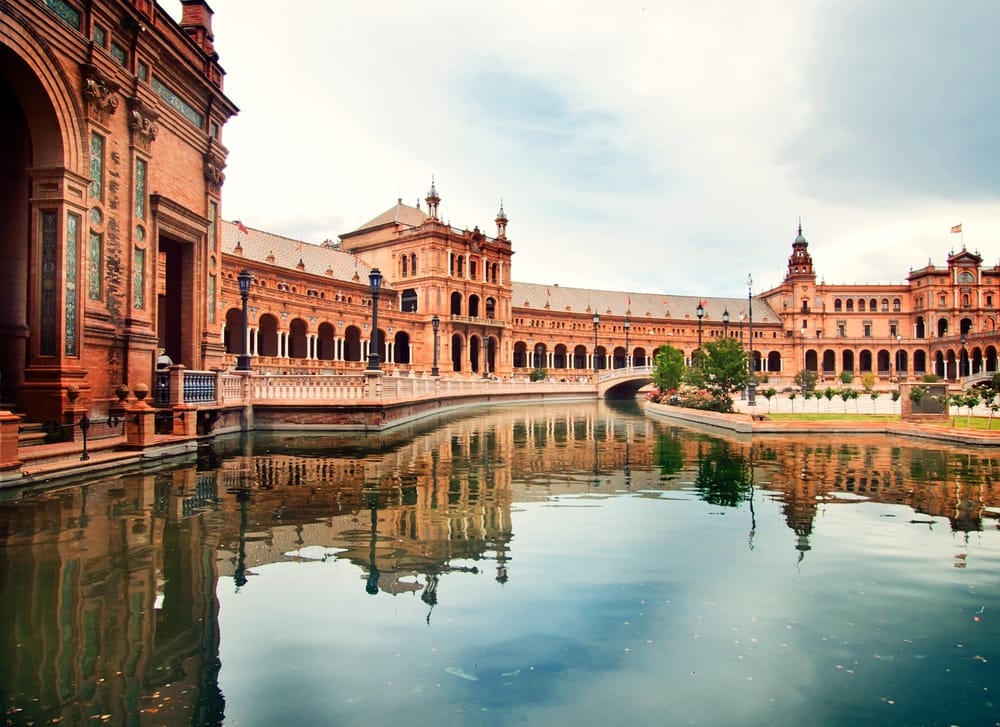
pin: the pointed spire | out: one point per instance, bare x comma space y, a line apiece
432, 200
501, 221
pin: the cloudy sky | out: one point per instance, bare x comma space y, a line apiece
647, 146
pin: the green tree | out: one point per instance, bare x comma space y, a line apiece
668, 368
895, 397
970, 401
845, 396
791, 400
846, 377
723, 367
768, 394
868, 381
874, 395
806, 380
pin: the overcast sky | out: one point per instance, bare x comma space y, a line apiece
643, 146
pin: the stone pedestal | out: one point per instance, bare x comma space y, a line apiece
71, 422
185, 421
140, 425
9, 444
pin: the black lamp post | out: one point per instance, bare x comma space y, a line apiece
628, 326
700, 312
725, 323
435, 322
243, 360
375, 281
742, 316
597, 320
752, 384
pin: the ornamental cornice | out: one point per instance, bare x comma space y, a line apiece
100, 93
142, 122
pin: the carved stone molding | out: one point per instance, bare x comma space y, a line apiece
100, 94
213, 170
142, 123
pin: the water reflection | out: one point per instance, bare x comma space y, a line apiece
110, 604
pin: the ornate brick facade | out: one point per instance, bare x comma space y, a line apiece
111, 182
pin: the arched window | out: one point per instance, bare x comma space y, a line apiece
861, 306
885, 305
405, 261
850, 306
896, 305
413, 264
837, 305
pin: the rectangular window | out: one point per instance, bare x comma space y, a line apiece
842, 328
97, 166
95, 263
142, 71
213, 215
65, 12
892, 329
868, 329
100, 36
139, 280
119, 54
211, 298
140, 188
49, 288
185, 109
72, 244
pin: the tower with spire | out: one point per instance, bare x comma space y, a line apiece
433, 200
800, 264
501, 221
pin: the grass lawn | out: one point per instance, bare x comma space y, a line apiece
807, 417
958, 422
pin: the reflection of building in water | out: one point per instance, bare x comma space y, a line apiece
958, 485
105, 588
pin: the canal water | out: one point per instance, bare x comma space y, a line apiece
519, 565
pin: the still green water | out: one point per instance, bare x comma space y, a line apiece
530, 565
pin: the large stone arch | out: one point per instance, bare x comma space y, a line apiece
43, 195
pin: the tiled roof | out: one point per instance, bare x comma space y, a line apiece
398, 213
654, 305
258, 245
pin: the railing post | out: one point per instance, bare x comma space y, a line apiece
176, 374
373, 384
140, 421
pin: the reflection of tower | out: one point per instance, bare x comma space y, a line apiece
502, 559
429, 596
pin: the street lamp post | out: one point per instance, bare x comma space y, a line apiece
628, 326
243, 360
752, 384
597, 320
725, 323
700, 312
435, 322
375, 281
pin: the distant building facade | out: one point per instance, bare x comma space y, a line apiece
312, 311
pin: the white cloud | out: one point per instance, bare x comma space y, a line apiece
665, 146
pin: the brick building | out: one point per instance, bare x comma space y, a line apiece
311, 310
110, 188
115, 248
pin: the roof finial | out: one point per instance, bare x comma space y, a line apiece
800, 224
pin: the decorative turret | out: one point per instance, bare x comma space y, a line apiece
196, 21
501, 221
800, 263
432, 200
